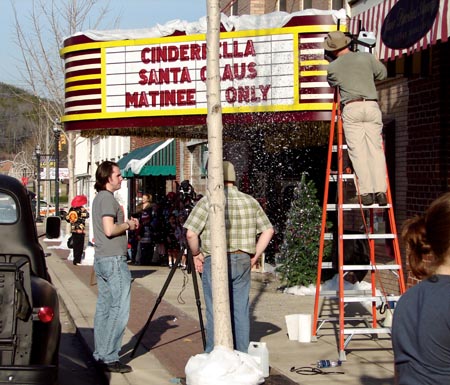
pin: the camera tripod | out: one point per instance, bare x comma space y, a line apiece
173, 269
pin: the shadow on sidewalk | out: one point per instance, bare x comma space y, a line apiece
141, 273
260, 329
153, 335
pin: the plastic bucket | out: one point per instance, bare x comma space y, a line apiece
292, 326
304, 327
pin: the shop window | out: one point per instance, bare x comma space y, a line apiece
203, 160
235, 8
337, 4
282, 5
411, 66
307, 4
391, 70
425, 63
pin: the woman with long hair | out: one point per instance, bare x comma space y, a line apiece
421, 323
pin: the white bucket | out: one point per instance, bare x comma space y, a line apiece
304, 327
259, 351
292, 326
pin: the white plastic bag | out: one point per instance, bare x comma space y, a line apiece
223, 367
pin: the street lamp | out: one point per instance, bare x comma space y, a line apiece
37, 151
57, 133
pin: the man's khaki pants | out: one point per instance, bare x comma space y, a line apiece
363, 127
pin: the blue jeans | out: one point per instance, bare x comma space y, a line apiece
113, 306
239, 285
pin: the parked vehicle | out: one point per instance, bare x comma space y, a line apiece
47, 209
30, 329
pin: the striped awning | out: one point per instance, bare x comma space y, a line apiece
373, 19
155, 159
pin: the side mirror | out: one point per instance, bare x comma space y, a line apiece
53, 227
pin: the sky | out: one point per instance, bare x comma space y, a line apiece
132, 14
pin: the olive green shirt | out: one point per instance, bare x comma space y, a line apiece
355, 74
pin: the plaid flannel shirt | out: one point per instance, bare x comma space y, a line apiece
244, 220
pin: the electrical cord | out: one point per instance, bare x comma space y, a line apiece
183, 288
312, 371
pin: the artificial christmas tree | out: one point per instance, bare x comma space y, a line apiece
300, 248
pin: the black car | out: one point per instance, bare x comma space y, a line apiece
30, 329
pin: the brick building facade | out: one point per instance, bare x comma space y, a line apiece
414, 103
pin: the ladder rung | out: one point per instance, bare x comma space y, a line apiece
370, 236
371, 267
334, 177
349, 206
371, 298
336, 319
359, 296
329, 236
329, 265
354, 293
335, 147
367, 331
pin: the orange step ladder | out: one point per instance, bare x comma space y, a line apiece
344, 297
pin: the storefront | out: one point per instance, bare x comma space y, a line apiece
412, 40
150, 168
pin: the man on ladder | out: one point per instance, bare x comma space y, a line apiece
355, 74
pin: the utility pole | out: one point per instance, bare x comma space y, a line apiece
38, 175
219, 265
57, 133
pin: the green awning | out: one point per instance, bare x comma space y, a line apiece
155, 159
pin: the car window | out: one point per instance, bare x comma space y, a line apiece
8, 209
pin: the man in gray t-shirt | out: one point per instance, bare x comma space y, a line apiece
111, 269
107, 206
355, 74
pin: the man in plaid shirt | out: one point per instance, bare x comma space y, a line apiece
244, 220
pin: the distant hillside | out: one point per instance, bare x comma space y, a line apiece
16, 117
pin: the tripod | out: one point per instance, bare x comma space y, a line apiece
190, 266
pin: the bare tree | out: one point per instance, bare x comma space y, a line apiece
222, 318
48, 23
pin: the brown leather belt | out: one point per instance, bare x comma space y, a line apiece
237, 252
360, 100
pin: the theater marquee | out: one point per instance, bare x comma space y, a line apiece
162, 81
161, 78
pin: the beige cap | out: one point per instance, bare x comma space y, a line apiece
229, 175
336, 41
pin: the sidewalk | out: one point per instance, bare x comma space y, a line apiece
173, 335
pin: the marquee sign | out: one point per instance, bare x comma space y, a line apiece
161, 77
162, 81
